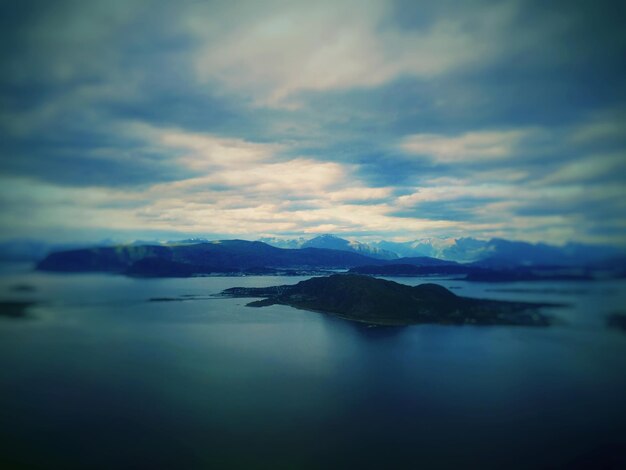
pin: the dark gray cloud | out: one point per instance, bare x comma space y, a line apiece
455, 210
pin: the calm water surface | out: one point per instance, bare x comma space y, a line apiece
100, 377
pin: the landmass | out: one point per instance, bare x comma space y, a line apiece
23, 288
412, 270
14, 308
241, 258
220, 257
380, 302
617, 320
475, 273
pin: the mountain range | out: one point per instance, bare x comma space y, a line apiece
182, 260
495, 252
200, 256
333, 242
192, 258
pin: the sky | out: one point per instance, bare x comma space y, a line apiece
368, 119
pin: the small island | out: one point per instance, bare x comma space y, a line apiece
379, 302
617, 320
14, 308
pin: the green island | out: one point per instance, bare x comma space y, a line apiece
379, 302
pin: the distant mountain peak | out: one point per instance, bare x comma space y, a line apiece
462, 250
334, 242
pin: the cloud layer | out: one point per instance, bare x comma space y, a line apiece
370, 119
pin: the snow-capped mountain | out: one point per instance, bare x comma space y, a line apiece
493, 252
284, 242
335, 243
332, 242
463, 250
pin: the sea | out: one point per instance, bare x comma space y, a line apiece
100, 375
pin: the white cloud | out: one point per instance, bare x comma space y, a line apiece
469, 147
297, 178
600, 130
589, 168
360, 194
203, 151
231, 164
458, 190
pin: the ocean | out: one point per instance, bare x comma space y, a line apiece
100, 376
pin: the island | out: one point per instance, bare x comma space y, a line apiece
617, 320
380, 302
474, 273
14, 308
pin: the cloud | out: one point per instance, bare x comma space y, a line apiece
600, 168
241, 187
237, 164
282, 49
469, 147
378, 118
600, 130
202, 151
52, 207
